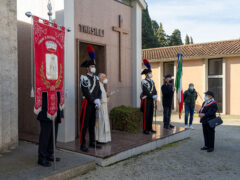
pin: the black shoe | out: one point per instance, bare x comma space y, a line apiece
171, 126
166, 127
152, 131
44, 163
146, 132
204, 148
94, 144
84, 148
210, 150
51, 159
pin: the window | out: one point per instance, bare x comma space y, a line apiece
215, 67
127, 2
168, 68
215, 80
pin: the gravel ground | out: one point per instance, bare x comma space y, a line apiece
183, 160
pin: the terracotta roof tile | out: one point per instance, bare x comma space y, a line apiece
220, 48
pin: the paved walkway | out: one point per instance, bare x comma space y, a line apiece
183, 160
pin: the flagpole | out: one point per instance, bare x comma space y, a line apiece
49, 6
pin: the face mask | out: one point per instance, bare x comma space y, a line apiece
92, 70
150, 75
105, 81
191, 88
171, 81
206, 98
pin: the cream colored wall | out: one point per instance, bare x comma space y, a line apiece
192, 73
156, 78
232, 85
104, 16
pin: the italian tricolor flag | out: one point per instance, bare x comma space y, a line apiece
179, 84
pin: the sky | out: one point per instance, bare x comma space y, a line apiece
204, 20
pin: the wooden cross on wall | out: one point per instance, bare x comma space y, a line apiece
121, 32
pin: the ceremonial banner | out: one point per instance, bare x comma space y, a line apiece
179, 84
49, 65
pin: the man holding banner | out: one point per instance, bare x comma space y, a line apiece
49, 91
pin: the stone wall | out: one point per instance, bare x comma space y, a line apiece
8, 76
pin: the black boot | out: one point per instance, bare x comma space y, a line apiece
171, 126
84, 148
152, 131
204, 148
94, 144
146, 132
44, 163
50, 158
166, 127
210, 150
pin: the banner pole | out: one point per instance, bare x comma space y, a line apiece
49, 6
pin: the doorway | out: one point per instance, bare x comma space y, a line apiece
168, 68
82, 55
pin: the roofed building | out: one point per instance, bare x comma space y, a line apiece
211, 66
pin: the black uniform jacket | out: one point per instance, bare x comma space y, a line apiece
87, 82
167, 94
148, 88
209, 110
42, 116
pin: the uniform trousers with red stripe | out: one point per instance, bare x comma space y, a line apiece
147, 107
88, 120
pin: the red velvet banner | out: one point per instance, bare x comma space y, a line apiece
49, 65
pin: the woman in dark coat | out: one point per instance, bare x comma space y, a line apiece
208, 112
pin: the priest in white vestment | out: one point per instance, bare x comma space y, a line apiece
102, 129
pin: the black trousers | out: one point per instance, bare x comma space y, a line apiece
45, 148
209, 135
88, 120
147, 114
167, 110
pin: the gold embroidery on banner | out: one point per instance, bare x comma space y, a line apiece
46, 82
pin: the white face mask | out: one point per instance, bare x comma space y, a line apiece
105, 81
206, 98
150, 75
93, 70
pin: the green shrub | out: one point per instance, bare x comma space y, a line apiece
126, 119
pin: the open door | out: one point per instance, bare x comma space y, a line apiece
100, 67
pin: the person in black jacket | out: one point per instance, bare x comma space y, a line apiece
167, 99
208, 112
148, 96
190, 97
45, 148
91, 101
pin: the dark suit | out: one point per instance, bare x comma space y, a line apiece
45, 148
167, 98
208, 132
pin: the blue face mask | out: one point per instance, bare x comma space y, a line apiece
191, 88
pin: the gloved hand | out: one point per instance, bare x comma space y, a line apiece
155, 97
97, 102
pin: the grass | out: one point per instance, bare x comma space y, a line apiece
164, 147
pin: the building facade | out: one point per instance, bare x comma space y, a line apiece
113, 27
211, 66
8, 76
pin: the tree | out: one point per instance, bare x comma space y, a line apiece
161, 36
191, 40
187, 40
175, 38
149, 40
155, 26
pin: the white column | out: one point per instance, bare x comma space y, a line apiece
136, 52
67, 128
224, 87
160, 85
